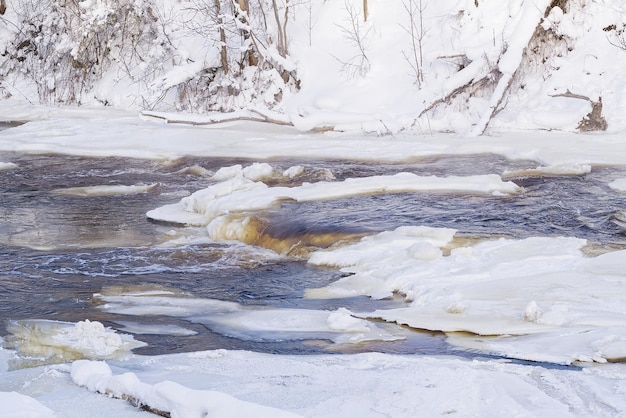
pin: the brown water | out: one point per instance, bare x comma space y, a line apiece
57, 250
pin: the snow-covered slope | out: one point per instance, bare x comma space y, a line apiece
465, 66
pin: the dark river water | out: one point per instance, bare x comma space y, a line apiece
57, 250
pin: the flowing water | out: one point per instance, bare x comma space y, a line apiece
58, 249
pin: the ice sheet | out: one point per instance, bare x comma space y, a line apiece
534, 289
106, 190
249, 323
238, 193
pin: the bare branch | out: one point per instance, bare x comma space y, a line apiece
572, 96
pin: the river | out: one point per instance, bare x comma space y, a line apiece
59, 248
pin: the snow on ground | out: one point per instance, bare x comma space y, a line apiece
363, 385
107, 132
442, 68
18, 405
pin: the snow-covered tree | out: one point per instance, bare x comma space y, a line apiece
65, 46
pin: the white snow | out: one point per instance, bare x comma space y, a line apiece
325, 386
16, 405
167, 396
540, 299
538, 289
523, 23
119, 133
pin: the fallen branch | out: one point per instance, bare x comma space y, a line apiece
448, 97
207, 120
593, 121
472, 74
138, 404
572, 96
270, 119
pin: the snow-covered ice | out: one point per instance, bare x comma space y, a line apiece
239, 193
316, 386
541, 297
234, 320
7, 166
45, 339
106, 190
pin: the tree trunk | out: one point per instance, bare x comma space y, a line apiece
244, 6
220, 22
3, 6
365, 10
282, 28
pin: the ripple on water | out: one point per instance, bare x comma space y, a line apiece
57, 251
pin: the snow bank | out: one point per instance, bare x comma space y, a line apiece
445, 67
521, 30
167, 397
103, 132
16, 405
325, 386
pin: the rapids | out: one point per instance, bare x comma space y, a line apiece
74, 227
